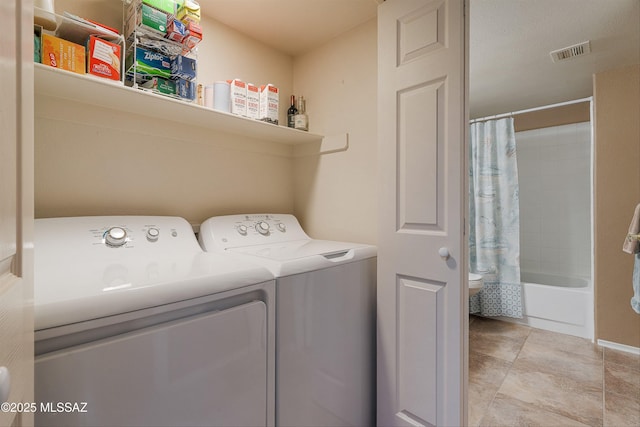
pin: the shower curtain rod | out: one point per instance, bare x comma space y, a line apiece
530, 110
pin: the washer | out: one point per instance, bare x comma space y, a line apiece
325, 316
137, 326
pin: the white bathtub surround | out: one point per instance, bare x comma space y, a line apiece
554, 168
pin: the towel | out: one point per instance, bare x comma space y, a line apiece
635, 299
632, 245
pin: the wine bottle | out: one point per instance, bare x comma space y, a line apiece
301, 120
291, 113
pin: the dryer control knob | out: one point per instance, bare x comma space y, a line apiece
115, 236
282, 227
262, 227
242, 229
153, 234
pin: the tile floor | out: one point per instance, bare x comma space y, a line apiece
522, 376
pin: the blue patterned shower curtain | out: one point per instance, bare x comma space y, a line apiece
494, 220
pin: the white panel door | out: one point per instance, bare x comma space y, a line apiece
16, 211
422, 303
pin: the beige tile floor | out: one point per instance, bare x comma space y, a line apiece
522, 376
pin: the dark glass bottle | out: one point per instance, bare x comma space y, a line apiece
291, 113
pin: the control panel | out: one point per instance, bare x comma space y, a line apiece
131, 233
244, 230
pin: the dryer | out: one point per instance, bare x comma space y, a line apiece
325, 316
135, 325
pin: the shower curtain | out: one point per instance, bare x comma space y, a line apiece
494, 220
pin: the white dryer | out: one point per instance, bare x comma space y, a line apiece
325, 316
137, 326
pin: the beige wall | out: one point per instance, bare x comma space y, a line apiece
617, 191
336, 194
103, 162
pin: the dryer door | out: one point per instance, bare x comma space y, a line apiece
206, 370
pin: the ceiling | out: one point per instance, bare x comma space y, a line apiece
510, 67
291, 26
510, 40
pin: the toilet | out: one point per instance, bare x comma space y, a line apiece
475, 283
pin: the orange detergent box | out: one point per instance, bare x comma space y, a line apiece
62, 54
103, 58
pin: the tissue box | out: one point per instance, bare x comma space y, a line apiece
183, 68
62, 54
103, 58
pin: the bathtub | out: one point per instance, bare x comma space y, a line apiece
558, 304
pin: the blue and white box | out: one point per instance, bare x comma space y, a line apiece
183, 68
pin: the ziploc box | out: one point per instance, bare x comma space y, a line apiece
238, 95
253, 101
103, 58
183, 68
62, 54
269, 103
148, 63
148, 19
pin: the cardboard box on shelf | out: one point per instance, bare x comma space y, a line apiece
188, 11
194, 37
148, 63
186, 89
148, 19
167, 6
183, 68
103, 58
269, 103
62, 54
253, 101
164, 86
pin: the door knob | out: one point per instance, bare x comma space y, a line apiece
444, 253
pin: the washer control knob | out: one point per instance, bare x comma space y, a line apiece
242, 229
153, 234
115, 236
262, 227
282, 227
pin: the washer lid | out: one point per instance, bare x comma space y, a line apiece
301, 256
78, 276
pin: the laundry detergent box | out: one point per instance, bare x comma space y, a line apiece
183, 68
148, 63
147, 19
62, 54
269, 103
103, 58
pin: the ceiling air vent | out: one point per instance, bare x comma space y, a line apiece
579, 49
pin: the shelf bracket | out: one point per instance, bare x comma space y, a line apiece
329, 144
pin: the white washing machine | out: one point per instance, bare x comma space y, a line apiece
137, 326
325, 316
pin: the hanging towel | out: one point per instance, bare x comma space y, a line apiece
631, 245
635, 299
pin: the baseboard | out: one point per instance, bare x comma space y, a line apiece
619, 347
